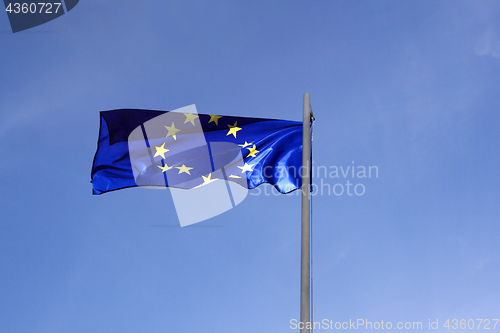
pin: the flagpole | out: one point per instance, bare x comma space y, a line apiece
305, 269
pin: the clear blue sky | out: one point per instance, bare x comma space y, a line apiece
411, 87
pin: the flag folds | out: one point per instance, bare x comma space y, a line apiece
187, 150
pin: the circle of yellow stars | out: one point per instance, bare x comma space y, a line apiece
232, 130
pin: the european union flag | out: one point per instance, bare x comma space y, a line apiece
186, 150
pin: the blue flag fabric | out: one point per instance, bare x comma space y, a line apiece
271, 150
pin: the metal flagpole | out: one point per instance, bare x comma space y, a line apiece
305, 269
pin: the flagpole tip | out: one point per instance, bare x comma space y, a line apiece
307, 99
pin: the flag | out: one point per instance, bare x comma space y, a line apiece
186, 150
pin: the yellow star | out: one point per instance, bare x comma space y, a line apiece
161, 151
184, 168
246, 167
215, 119
190, 117
165, 168
233, 176
207, 179
253, 151
172, 131
246, 144
233, 129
